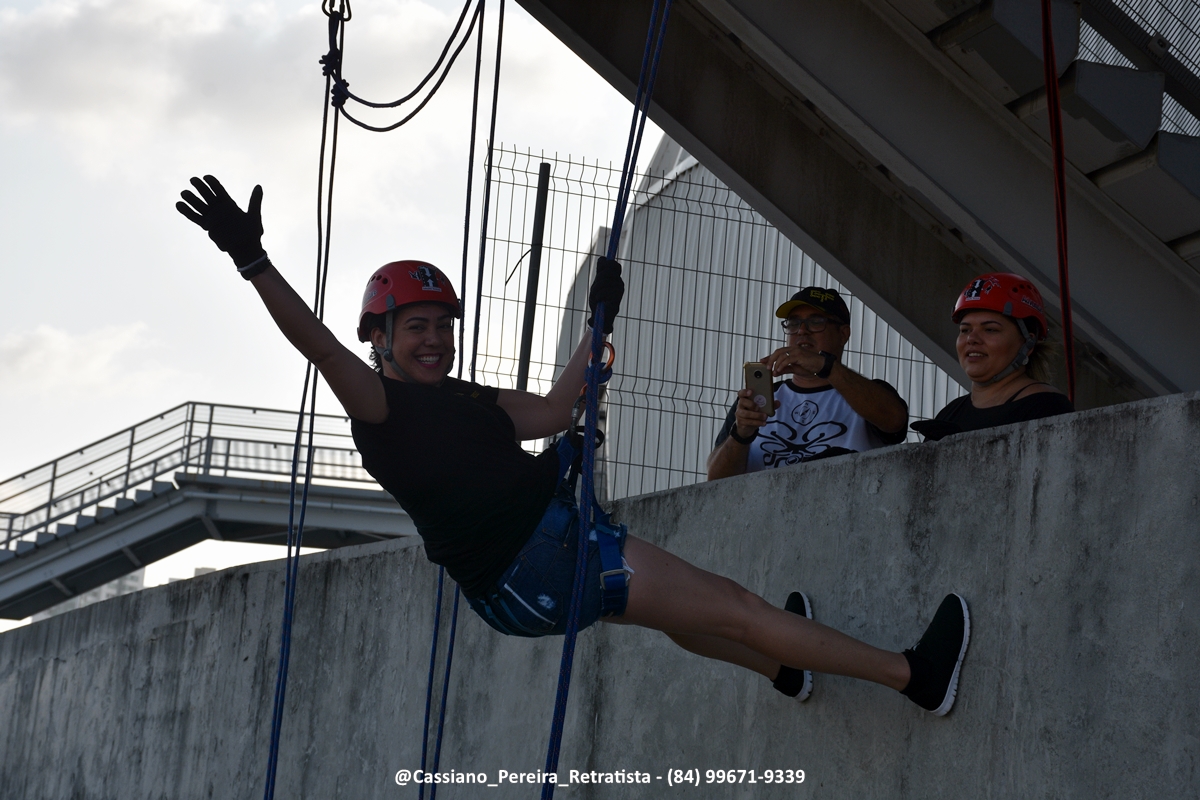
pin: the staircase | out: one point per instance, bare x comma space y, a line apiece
198, 471
904, 145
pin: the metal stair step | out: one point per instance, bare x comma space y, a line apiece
142, 495
1188, 249
24, 547
6, 555
104, 512
124, 503
928, 14
84, 520
44, 538
1160, 187
1000, 44
1109, 113
161, 487
63, 529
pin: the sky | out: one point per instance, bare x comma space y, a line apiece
113, 307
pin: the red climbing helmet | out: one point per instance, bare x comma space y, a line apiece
1004, 293
401, 283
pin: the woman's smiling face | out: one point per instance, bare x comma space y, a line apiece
987, 343
422, 342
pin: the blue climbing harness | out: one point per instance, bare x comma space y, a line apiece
609, 537
532, 597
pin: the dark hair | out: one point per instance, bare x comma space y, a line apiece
370, 322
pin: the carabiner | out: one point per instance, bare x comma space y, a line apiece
607, 370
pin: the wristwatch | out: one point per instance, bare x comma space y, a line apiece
830, 360
733, 434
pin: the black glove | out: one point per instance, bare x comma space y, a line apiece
238, 233
607, 288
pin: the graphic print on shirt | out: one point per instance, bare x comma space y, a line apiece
809, 423
806, 413
783, 444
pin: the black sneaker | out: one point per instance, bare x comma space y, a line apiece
796, 683
936, 659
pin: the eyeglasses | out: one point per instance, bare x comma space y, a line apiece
811, 324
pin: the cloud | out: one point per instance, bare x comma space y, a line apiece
115, 74
141, 94
110, 105
112, 76
115, 360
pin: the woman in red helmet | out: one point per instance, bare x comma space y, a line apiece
1002, 349
500, 520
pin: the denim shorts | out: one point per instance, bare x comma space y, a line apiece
533, 596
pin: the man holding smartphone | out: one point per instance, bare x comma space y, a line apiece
824, 409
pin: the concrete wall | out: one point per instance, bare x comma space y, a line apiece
1074, 539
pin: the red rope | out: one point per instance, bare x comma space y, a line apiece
1054, 111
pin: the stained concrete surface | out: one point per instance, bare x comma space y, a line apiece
1074, 539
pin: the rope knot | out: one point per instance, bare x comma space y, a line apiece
340, 92
331, 63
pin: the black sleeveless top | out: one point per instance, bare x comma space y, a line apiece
961, 415
450, 457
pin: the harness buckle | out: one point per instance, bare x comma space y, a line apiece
624, 570
614, 572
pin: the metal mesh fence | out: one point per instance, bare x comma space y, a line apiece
704, 274
1170, 27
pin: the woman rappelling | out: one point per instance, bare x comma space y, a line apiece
501, 520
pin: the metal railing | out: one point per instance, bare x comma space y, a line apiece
195, 438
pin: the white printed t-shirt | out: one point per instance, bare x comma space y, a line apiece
809, 423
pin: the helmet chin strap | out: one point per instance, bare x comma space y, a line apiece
387, 356
1022, 357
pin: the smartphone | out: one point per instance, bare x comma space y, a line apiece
761, 384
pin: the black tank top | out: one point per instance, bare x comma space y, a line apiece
961, 415
450, 457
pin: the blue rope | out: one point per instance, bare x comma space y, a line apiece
437, 750
487, 190
291, 569
295, 537
437, 626
585, 510
470, 183
336, 92
630, 153
587, 496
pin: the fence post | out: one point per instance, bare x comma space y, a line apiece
208, 442
129, 458
187, 436
50, 499
535, 266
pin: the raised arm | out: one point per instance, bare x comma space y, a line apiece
535, 416
239, 233
875, 402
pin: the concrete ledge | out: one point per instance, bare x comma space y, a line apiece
1074, 539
